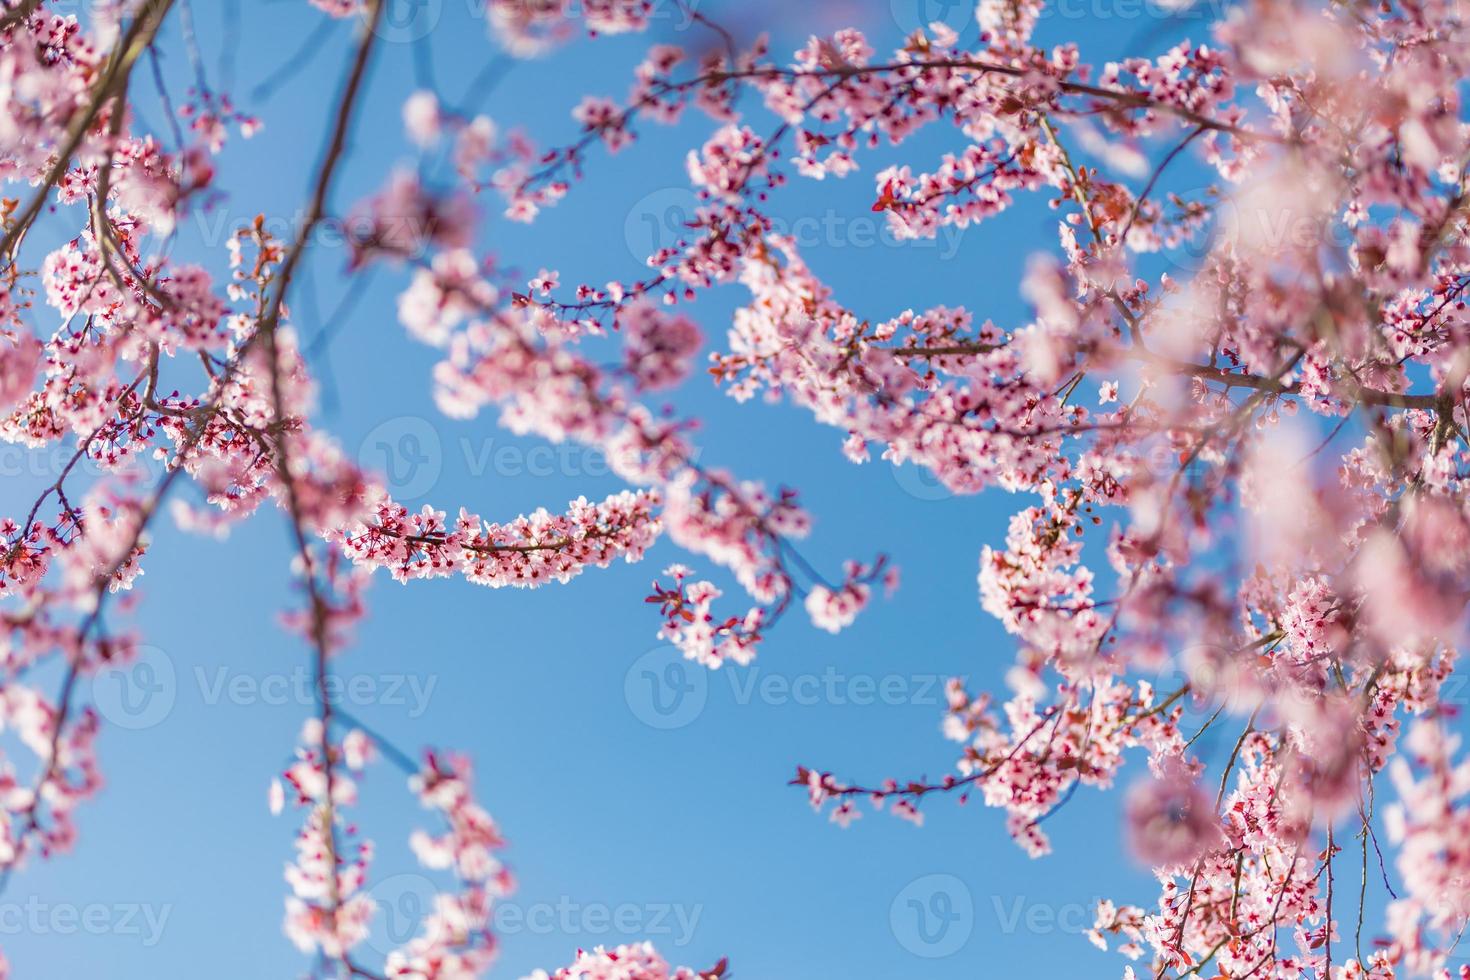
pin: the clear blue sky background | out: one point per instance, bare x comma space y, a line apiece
618, 828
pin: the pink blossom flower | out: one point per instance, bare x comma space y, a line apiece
1170, 820
421, 118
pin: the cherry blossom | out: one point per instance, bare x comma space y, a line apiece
1233, 419
640, 962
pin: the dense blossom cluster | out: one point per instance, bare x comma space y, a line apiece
328, 909
1237, 414
640, 962
524, 553
455, 938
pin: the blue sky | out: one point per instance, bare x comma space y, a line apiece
630, 813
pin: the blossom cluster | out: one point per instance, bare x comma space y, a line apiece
1235, 416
